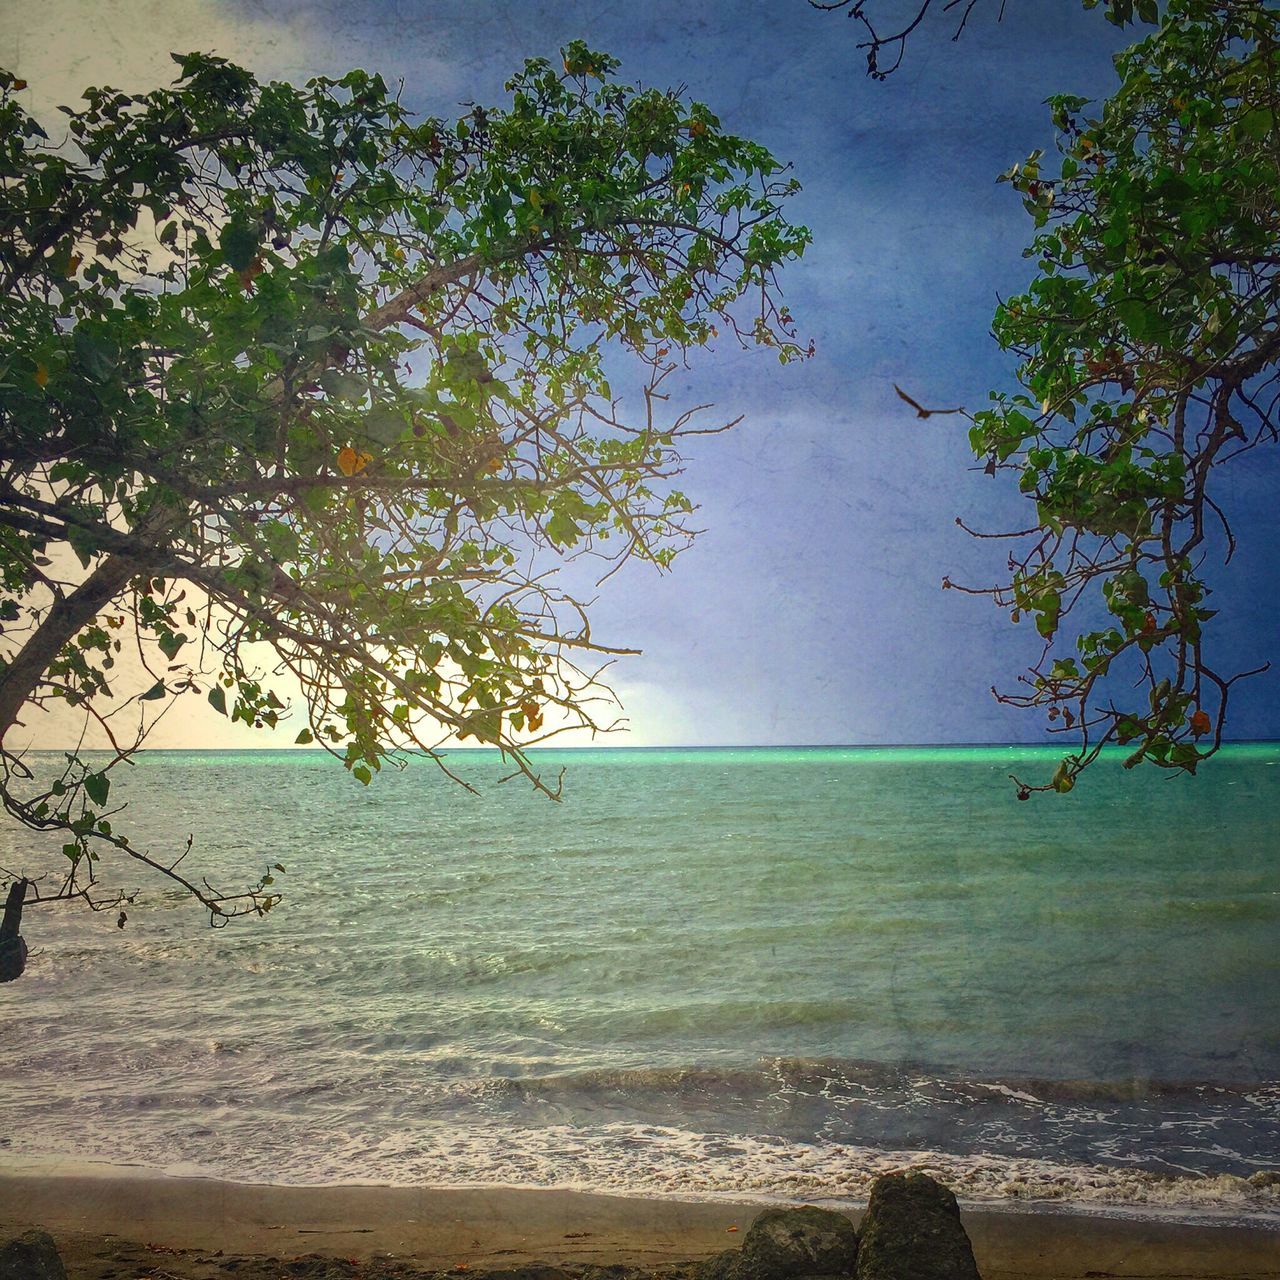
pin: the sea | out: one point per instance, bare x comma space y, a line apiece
758, 973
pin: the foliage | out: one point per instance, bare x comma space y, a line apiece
289, 370
1149, 341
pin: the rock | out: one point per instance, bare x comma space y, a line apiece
13, 958
13, 947
912, 1231
532, 1271
782, 1244
1265, 1178
801, 1242
31, 1256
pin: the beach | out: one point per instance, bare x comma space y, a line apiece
710, 981
125, 1223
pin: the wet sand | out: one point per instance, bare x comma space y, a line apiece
123, 1224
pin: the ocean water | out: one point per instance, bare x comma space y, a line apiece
757, 973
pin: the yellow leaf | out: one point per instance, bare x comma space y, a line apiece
42, 376
350, 462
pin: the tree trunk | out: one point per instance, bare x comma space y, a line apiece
66, 617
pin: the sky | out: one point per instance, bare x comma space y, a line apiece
811, 609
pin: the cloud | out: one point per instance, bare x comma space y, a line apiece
60, 48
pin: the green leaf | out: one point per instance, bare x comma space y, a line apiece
238, 241
156, 692
304, 737
170, 643
562, 530
218, 700
97, 356
1257, 123
383, 425
344, 386
1140, 319
97, 787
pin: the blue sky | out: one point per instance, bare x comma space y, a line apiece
811, 610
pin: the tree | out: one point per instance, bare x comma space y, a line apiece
289, 371
1149, 341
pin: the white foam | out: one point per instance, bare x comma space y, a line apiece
653, 1160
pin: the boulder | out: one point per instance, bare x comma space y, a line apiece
783, 1244
31, 1256
912, 1231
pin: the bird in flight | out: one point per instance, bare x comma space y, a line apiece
921, 411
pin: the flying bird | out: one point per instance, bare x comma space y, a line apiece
921, 411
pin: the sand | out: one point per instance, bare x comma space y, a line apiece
117, 1225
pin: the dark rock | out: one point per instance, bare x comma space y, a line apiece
13, 958
13, 947
801, 1242
531, 1271
724, 1266
620, 1271
912, 1231
613, 1271
785, 1244
31, 1256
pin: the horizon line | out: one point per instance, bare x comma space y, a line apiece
672, 746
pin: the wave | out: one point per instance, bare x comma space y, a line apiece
674, 1163
864, 1076
1162, 1129
779, 1129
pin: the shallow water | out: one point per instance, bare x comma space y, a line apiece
774, 972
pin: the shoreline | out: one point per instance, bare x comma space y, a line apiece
94, 1214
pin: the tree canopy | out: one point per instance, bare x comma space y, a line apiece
1148, 344
291, 371
1149, 340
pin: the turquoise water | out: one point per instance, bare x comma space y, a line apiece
764, 971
